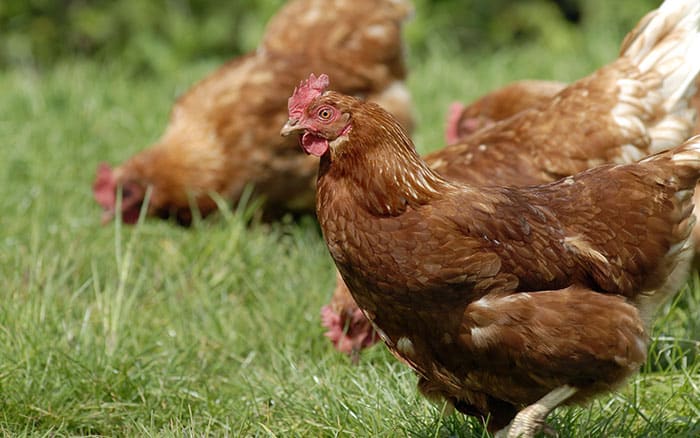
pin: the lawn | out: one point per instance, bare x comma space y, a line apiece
156, 330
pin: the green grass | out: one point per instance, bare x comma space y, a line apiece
156, 330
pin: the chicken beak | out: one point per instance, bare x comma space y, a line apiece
290, 127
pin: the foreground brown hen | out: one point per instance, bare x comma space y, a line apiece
501, 299
223, 134
637, 105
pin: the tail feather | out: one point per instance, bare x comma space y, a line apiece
678, 168
684, 160
688, 154
672, 129
666, 45
668, 21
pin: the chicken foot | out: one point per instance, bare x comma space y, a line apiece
531, 419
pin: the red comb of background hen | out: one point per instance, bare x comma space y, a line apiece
453, 116
349, 333
307, 91
104, 187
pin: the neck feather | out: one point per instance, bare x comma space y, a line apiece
382, 166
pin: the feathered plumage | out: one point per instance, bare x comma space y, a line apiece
637, 105
502, 299
223, 133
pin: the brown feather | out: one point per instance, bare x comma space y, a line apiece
495, 295
611, 116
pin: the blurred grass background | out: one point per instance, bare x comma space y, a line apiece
157, 330
154, 36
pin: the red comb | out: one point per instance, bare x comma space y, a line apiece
454, 114
307, 91
103, 189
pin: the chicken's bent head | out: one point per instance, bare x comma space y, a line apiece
454, 115
461, 124
322, 122
350, 332
104, 190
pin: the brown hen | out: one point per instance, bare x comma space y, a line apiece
637, 105
501, 299
223, 133
504, 300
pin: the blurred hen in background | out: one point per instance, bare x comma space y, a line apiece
223, 134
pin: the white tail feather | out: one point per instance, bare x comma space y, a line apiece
671, 130
688, 153
666, 44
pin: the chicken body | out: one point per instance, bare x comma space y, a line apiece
635, 106
223, 133
497, 297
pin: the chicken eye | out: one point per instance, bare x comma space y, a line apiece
325, 113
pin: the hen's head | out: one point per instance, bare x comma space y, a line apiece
104, 190
348, 330
463, 121
323, 116
454, 116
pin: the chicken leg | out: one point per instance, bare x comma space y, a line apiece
531, 419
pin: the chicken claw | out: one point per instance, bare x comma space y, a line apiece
531, 419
